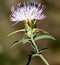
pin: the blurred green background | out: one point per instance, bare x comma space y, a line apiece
18, 55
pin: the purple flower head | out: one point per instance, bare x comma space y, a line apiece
27, 10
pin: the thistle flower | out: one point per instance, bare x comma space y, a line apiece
26, 11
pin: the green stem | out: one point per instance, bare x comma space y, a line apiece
35, 46
37, 51
45, 61
41, 56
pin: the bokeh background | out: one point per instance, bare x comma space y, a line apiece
18, 54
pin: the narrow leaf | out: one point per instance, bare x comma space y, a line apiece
16, 32
19, 41
25, 40
44, 36
43, 49
15, 43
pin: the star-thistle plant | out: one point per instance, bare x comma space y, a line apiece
30, 13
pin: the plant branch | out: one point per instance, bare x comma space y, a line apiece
38, 52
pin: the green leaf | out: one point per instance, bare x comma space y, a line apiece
20, 41
43, 49
44, 37
25, 40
